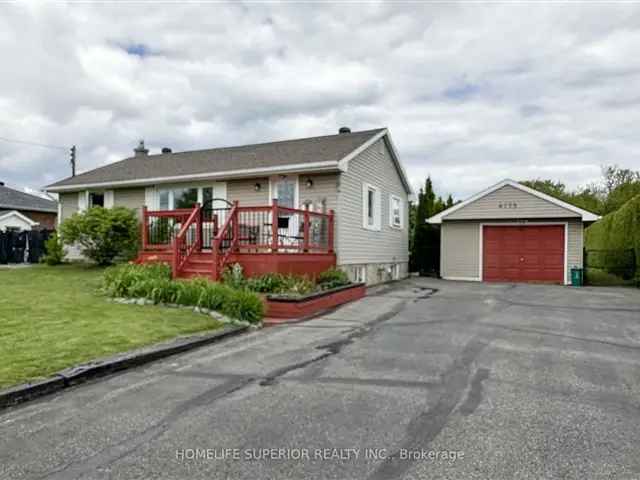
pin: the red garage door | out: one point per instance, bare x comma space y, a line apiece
523, 253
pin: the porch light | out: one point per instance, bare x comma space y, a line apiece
309, 183
257, 187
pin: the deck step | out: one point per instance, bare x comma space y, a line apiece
199, 261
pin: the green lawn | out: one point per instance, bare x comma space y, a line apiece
54, 317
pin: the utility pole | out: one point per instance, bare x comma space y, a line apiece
73, 161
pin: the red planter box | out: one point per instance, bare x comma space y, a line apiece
282, 307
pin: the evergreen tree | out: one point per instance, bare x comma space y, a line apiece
425, 242
449, 203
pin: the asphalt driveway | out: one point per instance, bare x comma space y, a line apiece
472, 381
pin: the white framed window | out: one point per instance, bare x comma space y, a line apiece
360, 274
96, 199
171, 197
395, 211
371, 211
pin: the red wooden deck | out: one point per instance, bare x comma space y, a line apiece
263, 239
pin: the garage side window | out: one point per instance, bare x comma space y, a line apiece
395, 211
371, 211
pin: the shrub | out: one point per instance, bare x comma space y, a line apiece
128, 279
279, 283
268, 283
54, 250
233, 276
332, 278
105, 234
244, 305
153, 282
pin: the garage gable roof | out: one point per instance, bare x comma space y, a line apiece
583, 214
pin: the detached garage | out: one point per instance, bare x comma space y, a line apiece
511, 233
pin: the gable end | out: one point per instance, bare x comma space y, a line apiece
509, 202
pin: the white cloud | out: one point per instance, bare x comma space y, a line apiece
472, 93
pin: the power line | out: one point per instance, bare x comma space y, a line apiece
34, 144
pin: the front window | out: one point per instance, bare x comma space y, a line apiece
185, 197
96, 200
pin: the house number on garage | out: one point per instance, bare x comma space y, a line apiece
507, 205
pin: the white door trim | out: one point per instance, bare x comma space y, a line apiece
523, 224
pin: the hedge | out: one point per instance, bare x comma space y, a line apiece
619, 230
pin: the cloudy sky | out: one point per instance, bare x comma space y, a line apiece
471, 93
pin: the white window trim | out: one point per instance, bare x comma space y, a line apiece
109, 199
392, 224
153, 195
273, 192
523, 224
377, 210
83, 200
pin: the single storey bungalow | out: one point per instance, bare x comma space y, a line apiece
292, 206
511, 233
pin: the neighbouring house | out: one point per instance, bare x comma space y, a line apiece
511, 233
21, 211
293, 206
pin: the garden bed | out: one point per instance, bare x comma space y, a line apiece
298, 307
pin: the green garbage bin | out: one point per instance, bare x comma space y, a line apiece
576, 277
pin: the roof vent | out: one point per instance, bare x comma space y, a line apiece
166, 150
140, 150
344, 130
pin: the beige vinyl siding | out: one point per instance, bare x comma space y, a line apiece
460, 246
130, 198
323, 194
354, 243
460, 249
526, 206
244, 191
575, 240
68, 204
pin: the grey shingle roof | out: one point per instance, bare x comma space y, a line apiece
11, 199
219, 160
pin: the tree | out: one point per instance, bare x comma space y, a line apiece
425, 238
589, 198
550, 187
54, 251
621, 185
449, 203
105, 234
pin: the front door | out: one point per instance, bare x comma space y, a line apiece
285, 191
215, 208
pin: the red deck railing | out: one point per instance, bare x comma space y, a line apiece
254, 229
187, 241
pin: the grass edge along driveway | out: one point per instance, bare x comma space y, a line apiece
52, 318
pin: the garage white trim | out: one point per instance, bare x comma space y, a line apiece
585, 215
522, 224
